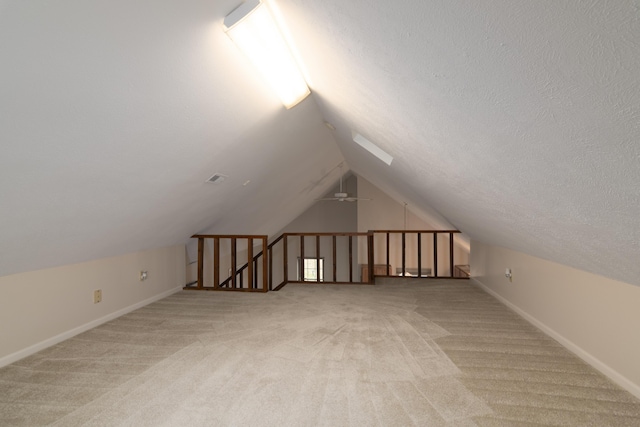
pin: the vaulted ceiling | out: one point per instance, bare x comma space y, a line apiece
517, 122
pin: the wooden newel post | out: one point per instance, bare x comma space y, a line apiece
266, 268
285, 250
216, 263
370, 257
270, 267
200, 261
351, 259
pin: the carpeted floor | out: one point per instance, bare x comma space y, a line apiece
403, 352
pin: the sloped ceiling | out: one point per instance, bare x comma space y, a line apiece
516, 121
114, 114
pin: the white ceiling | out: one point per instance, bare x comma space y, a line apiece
517, 121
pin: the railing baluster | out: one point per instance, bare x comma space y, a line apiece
435, 254
450, 254
256, 270
388, 244
335, 259
250, 263
419, 254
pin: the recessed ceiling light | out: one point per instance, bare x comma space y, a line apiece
217, 178
372, 148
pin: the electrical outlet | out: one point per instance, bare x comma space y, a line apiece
143, 275
97, 296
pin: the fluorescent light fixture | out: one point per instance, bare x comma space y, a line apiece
372, 148
253, 29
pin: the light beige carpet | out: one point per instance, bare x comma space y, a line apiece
403, 352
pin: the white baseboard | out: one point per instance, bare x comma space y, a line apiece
605, 369
21, 354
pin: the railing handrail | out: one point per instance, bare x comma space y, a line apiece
228, 236
272, 244
415, 231
327, 234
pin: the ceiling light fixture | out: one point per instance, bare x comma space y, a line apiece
253, 29
372, 148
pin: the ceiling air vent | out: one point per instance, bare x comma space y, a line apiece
217, 178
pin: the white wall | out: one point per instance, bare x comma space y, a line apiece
384, 213
44, 307
321, 217
328, 216
324, 217
595, 317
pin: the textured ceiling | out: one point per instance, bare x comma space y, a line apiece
517, 122
113, 115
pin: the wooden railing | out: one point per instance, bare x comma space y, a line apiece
433, 265
336, 257
240, 271
341, 266
236, 281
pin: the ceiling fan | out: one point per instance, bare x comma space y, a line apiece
342, 196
